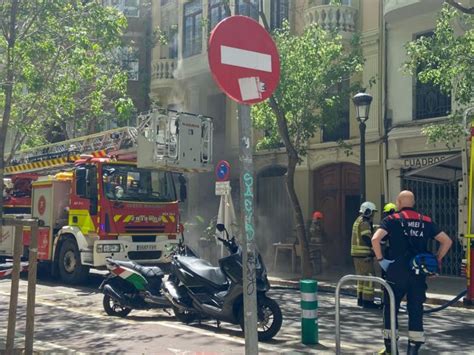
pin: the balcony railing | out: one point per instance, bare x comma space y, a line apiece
332, 16
164, 68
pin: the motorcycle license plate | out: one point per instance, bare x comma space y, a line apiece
146, 247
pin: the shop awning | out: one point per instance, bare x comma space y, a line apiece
449, 169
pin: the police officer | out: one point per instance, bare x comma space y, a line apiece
362, 254
407, 230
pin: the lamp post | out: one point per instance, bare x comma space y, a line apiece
362, 104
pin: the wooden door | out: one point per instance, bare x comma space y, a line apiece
336, 191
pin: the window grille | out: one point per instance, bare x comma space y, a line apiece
247, 8
130, 8
429, 100
129, 60
279, 13
341, 129
216, 12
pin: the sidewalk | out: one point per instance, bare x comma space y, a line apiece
440, 289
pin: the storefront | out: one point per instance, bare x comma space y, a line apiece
436, 181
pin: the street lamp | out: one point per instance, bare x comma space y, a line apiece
362, 104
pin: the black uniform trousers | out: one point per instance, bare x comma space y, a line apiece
405, 282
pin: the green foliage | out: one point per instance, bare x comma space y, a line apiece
314, 66
450, 133
446, 60
63, 66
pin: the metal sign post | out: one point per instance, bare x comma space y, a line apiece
247, 213
245, 64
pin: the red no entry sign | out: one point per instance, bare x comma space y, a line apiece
244, 60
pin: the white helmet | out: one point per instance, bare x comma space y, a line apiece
367, 208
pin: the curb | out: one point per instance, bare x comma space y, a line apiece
331, 288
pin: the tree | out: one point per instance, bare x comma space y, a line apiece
56, 66
461, 7
313, 65
446, 59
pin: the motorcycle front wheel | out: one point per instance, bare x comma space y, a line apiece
113, 308
269, 318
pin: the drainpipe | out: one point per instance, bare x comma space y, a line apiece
383, 98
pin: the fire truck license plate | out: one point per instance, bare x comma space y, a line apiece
146, 247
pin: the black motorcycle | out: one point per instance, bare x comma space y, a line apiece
199, 290
131, 286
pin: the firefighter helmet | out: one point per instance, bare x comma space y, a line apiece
389, 208
367, 208
317, 215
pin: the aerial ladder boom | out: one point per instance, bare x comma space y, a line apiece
163, 139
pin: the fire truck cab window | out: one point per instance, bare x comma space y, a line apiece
129, 183
86, 182
81, 181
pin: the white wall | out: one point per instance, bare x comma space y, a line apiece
400, 85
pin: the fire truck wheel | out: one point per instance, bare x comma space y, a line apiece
71, 270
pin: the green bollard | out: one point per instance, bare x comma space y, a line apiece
309, 312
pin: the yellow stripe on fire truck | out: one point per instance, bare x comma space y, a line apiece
38, 165
163, 218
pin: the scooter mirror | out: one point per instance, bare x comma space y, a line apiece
220, 227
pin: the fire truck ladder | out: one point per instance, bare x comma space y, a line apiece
61, 154
164, 139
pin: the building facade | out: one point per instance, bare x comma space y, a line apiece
135, 53
433, 172
328, 179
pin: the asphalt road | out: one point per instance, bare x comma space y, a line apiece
72, 320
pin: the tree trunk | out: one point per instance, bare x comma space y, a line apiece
293, 159
306, 268
8, 91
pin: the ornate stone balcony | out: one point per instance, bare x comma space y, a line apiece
332, 16
164, 69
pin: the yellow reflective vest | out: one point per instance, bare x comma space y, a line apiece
360, 246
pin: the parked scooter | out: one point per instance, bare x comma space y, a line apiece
198, 290
131, 286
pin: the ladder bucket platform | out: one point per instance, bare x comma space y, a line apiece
175, 141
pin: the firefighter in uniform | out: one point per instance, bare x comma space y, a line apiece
389, 209
408, 232
362, 254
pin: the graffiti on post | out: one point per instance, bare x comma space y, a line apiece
251, 273
248, 200
249, 231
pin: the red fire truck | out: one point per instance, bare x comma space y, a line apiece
111, 193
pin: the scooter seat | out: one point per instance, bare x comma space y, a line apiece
148, 271
204, 269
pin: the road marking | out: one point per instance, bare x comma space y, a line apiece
246, 59
166, 324
47, 346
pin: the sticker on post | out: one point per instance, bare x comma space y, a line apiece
251, 88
